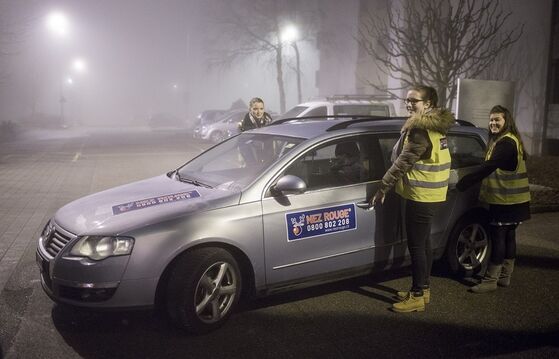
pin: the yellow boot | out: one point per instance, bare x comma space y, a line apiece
411, 303
426, 295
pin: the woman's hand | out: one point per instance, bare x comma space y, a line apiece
378, 198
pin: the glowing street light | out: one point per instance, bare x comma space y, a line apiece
79, 65
58, 24
290, 35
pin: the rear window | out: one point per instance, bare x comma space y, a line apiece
465, 151
362, 110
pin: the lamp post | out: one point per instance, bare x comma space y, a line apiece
290, 35
58, 25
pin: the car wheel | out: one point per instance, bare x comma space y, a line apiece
203, 289
216, 137
468, 246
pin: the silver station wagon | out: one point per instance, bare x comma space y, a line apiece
271, 209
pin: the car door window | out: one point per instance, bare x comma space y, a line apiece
340, 162
387, 144
465, 151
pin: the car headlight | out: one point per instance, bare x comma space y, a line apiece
101, 247
47, 230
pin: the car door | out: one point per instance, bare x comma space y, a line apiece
323, 230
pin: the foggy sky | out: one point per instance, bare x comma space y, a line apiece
136, 50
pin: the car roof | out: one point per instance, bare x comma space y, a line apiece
311, 128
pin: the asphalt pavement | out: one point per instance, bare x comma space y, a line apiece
347, 319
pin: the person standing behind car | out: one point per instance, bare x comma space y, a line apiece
256, 116
420, 173
505, 188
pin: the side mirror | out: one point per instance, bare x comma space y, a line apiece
289, 184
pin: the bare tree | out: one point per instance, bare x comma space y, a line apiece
252, 29
12, 31
436, 42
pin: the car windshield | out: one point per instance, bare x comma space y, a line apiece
237, 162
294, 112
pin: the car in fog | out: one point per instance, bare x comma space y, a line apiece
226, 126
268, 210
343, 105
204, 119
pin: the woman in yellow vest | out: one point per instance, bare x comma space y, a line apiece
505, 189
420, 174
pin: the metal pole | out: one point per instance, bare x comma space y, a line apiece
62, 100
298, 64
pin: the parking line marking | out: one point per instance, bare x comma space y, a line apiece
79, 153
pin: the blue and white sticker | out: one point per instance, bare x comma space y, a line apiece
318, 222
154, 201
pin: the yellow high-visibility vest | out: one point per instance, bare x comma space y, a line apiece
506, 187
427, 181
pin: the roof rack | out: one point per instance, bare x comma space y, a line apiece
324, 117
382, 97
465, 123
346, 124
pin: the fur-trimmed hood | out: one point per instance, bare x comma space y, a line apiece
438, 119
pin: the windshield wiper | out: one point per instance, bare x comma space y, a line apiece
191, 181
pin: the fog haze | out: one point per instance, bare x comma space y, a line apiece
143, 57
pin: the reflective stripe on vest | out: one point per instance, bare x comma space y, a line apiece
427, 181
506, 187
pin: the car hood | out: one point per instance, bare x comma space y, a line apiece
121, 209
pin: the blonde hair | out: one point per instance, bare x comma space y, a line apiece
255, 100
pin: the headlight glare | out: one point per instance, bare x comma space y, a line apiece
101, 247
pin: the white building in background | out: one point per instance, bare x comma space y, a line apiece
337, 47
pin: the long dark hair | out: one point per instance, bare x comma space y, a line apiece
509, 127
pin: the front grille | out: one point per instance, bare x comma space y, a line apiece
56, 241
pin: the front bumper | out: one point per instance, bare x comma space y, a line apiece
94, 284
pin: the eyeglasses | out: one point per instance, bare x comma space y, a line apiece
412, 101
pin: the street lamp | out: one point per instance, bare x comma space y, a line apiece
290, 35
57, 24
79, 65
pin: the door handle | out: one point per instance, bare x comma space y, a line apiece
365, 205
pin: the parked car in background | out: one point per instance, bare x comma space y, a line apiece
363, 105
266, 211
164, 121
226, 126
204, 119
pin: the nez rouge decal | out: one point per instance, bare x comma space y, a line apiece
319, 222
148, 202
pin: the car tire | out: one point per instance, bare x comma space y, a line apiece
469, 246
203, 289
216, 137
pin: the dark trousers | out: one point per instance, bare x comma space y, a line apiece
503, 243
419, 216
